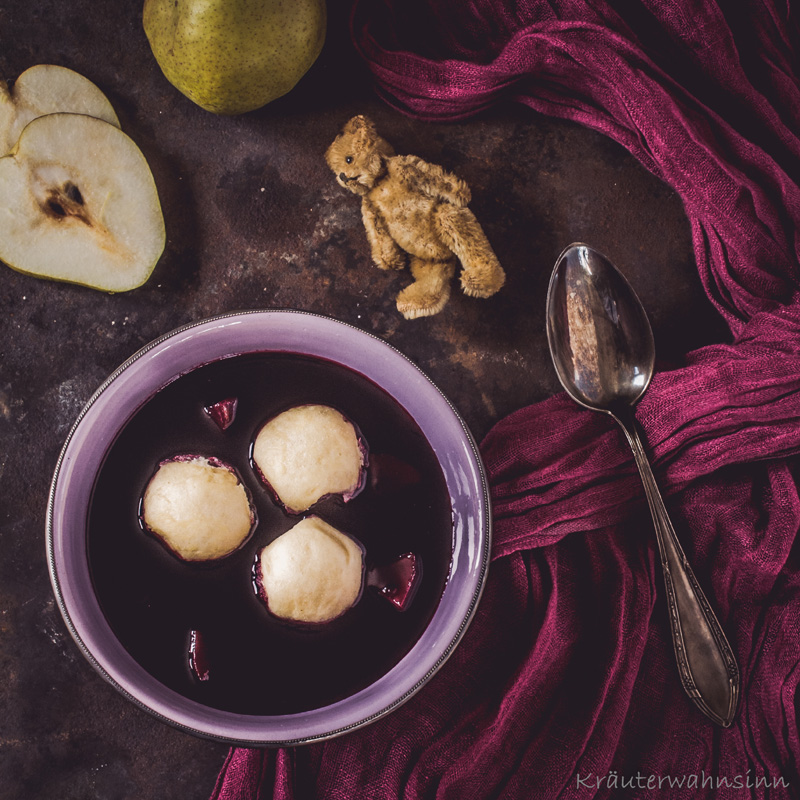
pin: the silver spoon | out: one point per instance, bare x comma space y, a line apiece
603, 351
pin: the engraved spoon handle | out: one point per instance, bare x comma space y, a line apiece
707, 666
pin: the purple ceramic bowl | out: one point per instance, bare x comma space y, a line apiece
179, 352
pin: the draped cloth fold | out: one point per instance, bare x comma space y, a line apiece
565, 685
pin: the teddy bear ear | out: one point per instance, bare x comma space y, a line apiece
360, 123
384, 148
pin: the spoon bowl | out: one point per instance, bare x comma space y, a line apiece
604, 354
601, 340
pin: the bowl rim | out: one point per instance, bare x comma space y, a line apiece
469, 559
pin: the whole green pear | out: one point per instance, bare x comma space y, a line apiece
233, 56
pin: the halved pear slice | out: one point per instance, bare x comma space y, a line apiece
48, 89
78, 203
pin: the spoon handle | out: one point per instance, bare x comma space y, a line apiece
707, 666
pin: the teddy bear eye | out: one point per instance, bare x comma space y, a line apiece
348, 160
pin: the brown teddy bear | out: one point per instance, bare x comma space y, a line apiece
414, 209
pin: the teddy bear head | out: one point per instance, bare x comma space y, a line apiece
358, 155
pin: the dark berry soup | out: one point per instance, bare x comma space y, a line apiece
201, 628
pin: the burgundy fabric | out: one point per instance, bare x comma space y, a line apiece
565, 685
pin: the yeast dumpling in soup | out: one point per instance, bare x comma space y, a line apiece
313, 573
198, 507
308, 452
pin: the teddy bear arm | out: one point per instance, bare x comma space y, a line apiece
435, 182
385, 252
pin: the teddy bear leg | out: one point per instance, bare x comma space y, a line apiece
429, 292
458, 228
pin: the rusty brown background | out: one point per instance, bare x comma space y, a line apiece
255, 220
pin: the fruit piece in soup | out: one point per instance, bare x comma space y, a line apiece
223, 413
397, 581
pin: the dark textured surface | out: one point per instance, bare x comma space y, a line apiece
255, 220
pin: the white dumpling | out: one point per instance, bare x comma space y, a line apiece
199, 509
311, 573
308, 452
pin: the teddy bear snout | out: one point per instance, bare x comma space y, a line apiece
346, 180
